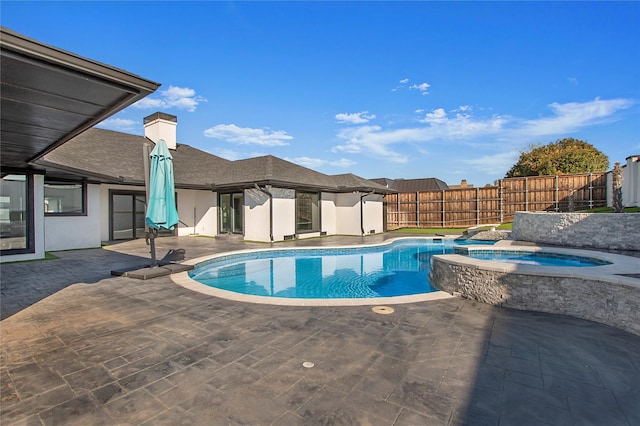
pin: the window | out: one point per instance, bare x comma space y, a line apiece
64, 199
16, 220
307, 212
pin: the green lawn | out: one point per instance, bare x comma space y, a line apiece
610, 210
434, 231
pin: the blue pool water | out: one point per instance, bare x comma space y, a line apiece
534, 258
400, 268
396, 269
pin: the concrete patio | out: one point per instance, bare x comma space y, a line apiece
80, 346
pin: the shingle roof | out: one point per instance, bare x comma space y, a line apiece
109, 156
274, 170
413, 185
119, 156
349, 180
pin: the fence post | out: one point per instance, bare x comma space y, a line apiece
590, 190
557, 200
417, 209
526, 194
477, 206
398, 203
443, 221
500, 202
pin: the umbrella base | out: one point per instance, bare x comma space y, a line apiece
148, 272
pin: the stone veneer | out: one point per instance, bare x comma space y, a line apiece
602, 297
619, 231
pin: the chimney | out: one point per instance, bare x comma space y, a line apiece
463, 183
161, 126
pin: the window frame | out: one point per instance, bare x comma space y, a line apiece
30, 246
83, 188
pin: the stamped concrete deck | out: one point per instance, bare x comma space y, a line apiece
82, 347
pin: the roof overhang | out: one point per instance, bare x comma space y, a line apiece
49, 96
298, 186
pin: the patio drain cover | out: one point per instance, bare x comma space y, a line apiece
308, 364
384, 310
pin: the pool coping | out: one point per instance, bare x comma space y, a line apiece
183, 279
595, 293
619, 264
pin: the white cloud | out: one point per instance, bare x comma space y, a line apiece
174, 97
401, 84
436, 116
119, 124
463, 108
462, 126
227, 154
248, 136
493, 164
422, 87
355, 118
314, 163
373, 141
571, 116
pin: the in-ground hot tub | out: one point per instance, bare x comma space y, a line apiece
601, 292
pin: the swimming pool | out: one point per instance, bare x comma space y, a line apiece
396, 269
539, 258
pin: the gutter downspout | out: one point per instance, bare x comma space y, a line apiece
270, 195
362, 211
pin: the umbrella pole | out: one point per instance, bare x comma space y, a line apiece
152, 242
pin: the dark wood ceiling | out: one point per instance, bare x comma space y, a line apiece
49, 96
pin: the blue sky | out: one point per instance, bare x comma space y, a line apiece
451, 90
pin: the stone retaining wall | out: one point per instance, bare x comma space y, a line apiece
609, 300
619, 231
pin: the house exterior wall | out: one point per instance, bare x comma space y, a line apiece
339, 214
256, 215
373, 211
328, 213
198, 210
348, 214
284, 212
204, 203
86, 229
630, 183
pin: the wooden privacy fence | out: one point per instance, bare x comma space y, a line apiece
495, 204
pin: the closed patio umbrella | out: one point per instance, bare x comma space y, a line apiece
161, 206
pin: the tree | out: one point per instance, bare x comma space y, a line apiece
563, 156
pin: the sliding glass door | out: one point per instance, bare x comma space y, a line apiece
231, 213
127, 215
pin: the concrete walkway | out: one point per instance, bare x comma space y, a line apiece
82, 347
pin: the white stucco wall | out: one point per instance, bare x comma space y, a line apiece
256, 215
339, 214
74, 232
328, 213
630, 183
284, 212
372, 209
197, 212
348, 214
204, 202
